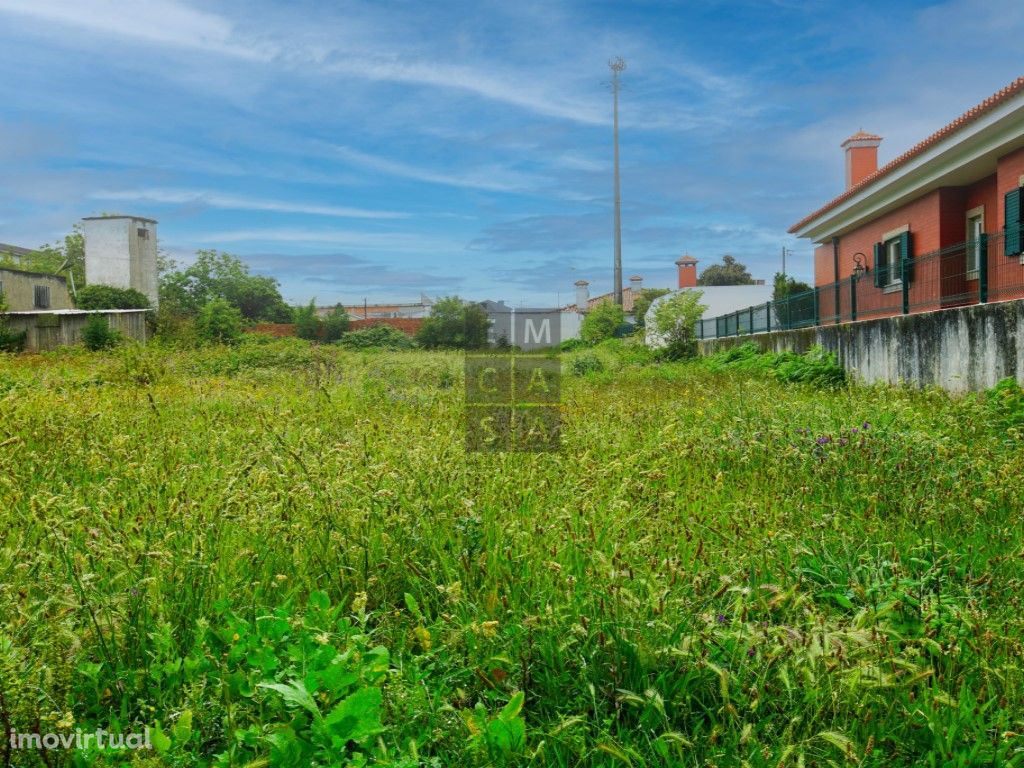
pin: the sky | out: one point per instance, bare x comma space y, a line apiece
380, 150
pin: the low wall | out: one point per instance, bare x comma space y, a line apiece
407, 325
963, 349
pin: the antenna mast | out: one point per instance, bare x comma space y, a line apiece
616, 65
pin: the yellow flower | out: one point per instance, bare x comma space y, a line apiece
359, 603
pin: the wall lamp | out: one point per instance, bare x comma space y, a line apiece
860, 269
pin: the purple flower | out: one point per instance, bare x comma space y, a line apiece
854, 431
824, 440
866, 425
721, 618
751, 652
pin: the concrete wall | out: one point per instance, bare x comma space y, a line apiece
49, 330
963, 349
121, 251
19, 289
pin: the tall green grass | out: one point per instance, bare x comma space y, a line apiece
281, 554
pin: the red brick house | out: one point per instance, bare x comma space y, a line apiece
937, 227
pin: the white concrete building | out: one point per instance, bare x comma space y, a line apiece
121, 251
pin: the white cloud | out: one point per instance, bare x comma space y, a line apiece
164, 22
231, 202
410, 242
492, 178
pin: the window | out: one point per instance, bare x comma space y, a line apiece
975, 229
1012, 234
42, 297
892, 262
142, 233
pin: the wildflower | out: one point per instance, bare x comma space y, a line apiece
359, 603
866, 426
489, 628
422, 635
721, 618
824, 440
751, 652
854, 430
66, 721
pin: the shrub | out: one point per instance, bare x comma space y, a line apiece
307, 325
381, 336
674, 320
219, 322
1005, 401
109, 297
585, 363
454, 324
336, 324
817, 367
602, 322
97, 334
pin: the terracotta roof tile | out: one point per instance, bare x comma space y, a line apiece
968, 117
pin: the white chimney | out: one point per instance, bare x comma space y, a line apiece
636, 283
582, 295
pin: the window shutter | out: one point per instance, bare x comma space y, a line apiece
1012, 245
879, 266
907, 256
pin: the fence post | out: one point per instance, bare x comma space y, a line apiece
853, 299
814, 297
905, 285
768, 317
983, 269
750, 328
737, 322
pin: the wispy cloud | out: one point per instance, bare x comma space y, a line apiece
492, 178
232, 202
397, 242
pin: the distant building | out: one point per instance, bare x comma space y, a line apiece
588, 302
719, 299
368, 311
29, 291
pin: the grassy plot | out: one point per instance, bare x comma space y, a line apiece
276, 554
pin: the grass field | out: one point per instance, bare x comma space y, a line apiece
281, 555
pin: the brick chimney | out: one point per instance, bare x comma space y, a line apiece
861, 157
582, 295
687, 271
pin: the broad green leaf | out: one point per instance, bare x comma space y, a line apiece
295, 693
357, 717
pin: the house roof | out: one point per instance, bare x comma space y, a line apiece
966, 119
627, 300
47, 275
862, 136
15, 250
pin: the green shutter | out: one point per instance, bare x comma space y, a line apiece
1012, 202
907, 256
878, 267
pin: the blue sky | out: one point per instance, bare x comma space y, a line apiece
381, 149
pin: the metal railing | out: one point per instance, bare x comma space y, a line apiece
972, 272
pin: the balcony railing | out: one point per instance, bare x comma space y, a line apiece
972, 272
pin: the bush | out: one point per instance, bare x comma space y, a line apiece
97, 334
602, 322
109, 297
307, 325
336, 324
1005, 401
817, 367
454, 324
380, 336
585, 363
674, 321
219, 322
11, 341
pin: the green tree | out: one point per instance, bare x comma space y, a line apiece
454, 324
784, 288
219, 322
729, 272
307, 324
787, 286
108, 297
222, 275
336, 324
675, 320
643, 302
602, 322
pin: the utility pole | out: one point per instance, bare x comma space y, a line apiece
784, 251
617, 65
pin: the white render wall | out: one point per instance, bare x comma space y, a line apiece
116, 254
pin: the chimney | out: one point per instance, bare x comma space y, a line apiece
687, 271
582, 295
861, 157
636, 283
